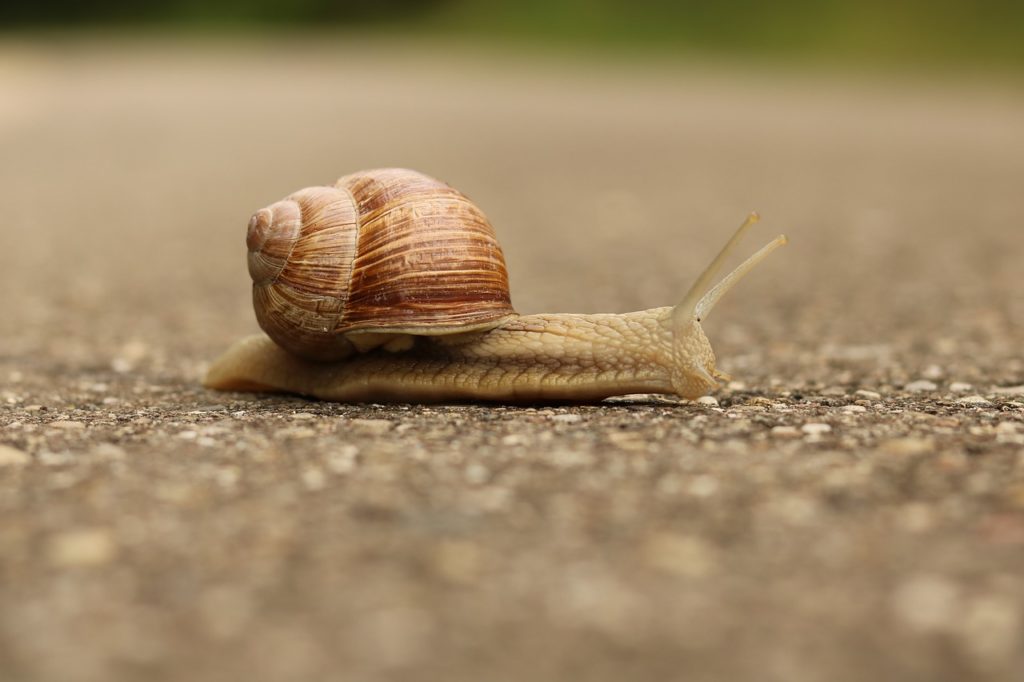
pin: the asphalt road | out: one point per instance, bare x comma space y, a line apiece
850, 507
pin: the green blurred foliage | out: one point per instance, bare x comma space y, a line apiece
896, 27
214, 12
946, 31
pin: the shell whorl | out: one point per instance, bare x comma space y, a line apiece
300, 258
272, 233
387, 251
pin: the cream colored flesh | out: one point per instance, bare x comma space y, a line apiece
528, 358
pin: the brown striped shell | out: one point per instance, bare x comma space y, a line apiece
380, 253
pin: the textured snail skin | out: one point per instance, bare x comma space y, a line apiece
527, 358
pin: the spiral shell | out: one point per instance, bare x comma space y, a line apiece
380, 253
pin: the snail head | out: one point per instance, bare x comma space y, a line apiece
694, 372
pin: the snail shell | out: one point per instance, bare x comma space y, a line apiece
376, 257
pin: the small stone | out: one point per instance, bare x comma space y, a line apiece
868, 395
108, 452
55, 458
815, 428
187, 435
457, 560
392, 638
129, 357
67, 425
85, 547
960, 387
703, 486
567, 418
564, 458
224, 612
916, 517
920, 385
1009, 390
973, 400
927, 603
371, 426
303, 415
628, 440
798, 509
908, 446
477, 473
932, 372
295, 432
174, 493
785, 432
854, 408
1015, 495
33, 408
682, 555
707, 401
343, 460
227, 477
313, 478
1014, 438
13, 457
513, 439
991, 630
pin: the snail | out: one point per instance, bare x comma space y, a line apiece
390, 285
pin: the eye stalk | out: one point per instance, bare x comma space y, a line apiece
699, 300
694, 370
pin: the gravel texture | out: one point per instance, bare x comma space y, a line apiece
850, 507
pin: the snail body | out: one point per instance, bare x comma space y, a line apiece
391, 286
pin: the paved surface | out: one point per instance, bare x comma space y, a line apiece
851, 509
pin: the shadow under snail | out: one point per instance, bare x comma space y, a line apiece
391, 286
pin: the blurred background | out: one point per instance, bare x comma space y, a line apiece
947, 32
614, 145
645, 130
